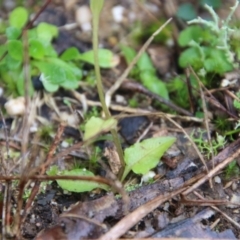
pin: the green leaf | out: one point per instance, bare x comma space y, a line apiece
3, 50
145, 64
154, 84
105, 57
79, 185
96, 125
48, 86
216, 62
192, 57
143, 156
71, 53
15, 49
58, 71
36, 49
186, 11
197, 34
20, 84
50, 51
13, 33
128, 53
12, 63
18, 17
47, 31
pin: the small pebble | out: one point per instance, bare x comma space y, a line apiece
15, 106
217, 179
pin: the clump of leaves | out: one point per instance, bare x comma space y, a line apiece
54, 71
208, 47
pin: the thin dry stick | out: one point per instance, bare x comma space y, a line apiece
192, 142
43, 167
212, 172
120, 80
218, 210
5, 209
204, 106
26, 120
136, 111
6, 138
134, 217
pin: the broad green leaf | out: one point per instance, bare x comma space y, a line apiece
18, 17
47, 31
186, 11
57, 72
216, 62
48, 86
197, 34
143, 156
32, 33
49, 50
71, 53
12, 63
3, 49
36, 49
128, 53
96, 125
20, 84
73, 84
79, 185
154, 84
105, 57
192, 57
15, 49
13, 33
145, 64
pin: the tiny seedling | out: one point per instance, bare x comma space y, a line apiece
204, 145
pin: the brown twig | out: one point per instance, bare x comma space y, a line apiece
203, 178
134, 217
120, 80
44, 166
137, 87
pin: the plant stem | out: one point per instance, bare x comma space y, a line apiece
100, 86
